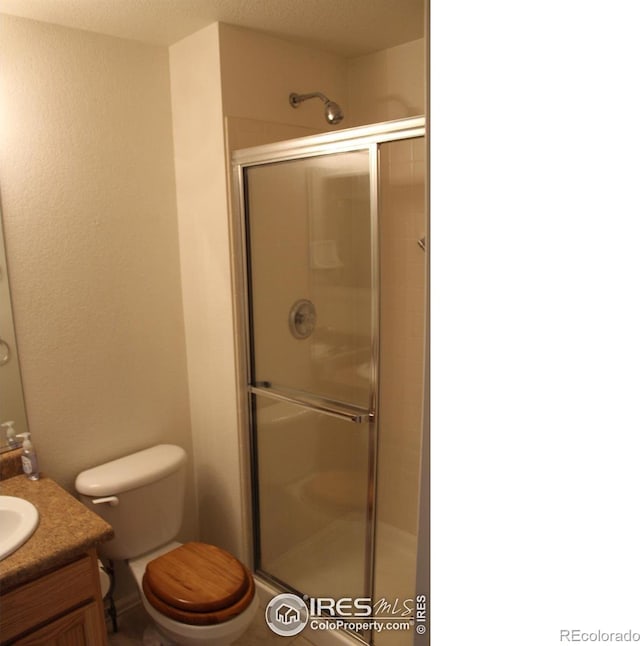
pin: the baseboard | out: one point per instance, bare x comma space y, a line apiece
128, 602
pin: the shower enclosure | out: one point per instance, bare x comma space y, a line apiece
333, 267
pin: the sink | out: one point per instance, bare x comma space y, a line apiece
18, 520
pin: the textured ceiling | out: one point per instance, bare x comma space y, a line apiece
345, 27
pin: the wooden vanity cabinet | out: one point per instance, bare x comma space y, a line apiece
61, 608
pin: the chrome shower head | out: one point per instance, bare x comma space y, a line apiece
332, 111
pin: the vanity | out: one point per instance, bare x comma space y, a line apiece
49, 587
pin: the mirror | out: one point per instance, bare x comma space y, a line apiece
11, 394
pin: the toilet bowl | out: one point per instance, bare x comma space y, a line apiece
178, 632
195, 593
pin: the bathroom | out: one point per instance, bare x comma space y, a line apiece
116, 206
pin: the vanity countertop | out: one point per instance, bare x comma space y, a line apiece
66, 529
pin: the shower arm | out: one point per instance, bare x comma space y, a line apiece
296, 99
332, 111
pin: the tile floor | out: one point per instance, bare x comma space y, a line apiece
131, 625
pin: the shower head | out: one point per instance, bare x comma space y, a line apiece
332, 111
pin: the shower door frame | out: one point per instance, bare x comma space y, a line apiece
348, 140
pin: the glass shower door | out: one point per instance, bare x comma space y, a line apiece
309, 253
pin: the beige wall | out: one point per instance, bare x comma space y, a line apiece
259, 72
86, 172
387, 85
201, 185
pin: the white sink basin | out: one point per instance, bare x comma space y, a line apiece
18, 520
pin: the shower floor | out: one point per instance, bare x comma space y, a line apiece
330, 563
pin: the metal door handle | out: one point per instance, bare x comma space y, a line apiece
347, 413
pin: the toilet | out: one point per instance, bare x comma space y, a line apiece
195, 593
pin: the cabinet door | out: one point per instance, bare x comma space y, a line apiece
81, 627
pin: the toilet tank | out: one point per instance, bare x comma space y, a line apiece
145, 499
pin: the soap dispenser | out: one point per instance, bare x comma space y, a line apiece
29, 458
11, 434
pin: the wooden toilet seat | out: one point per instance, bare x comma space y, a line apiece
198, 584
